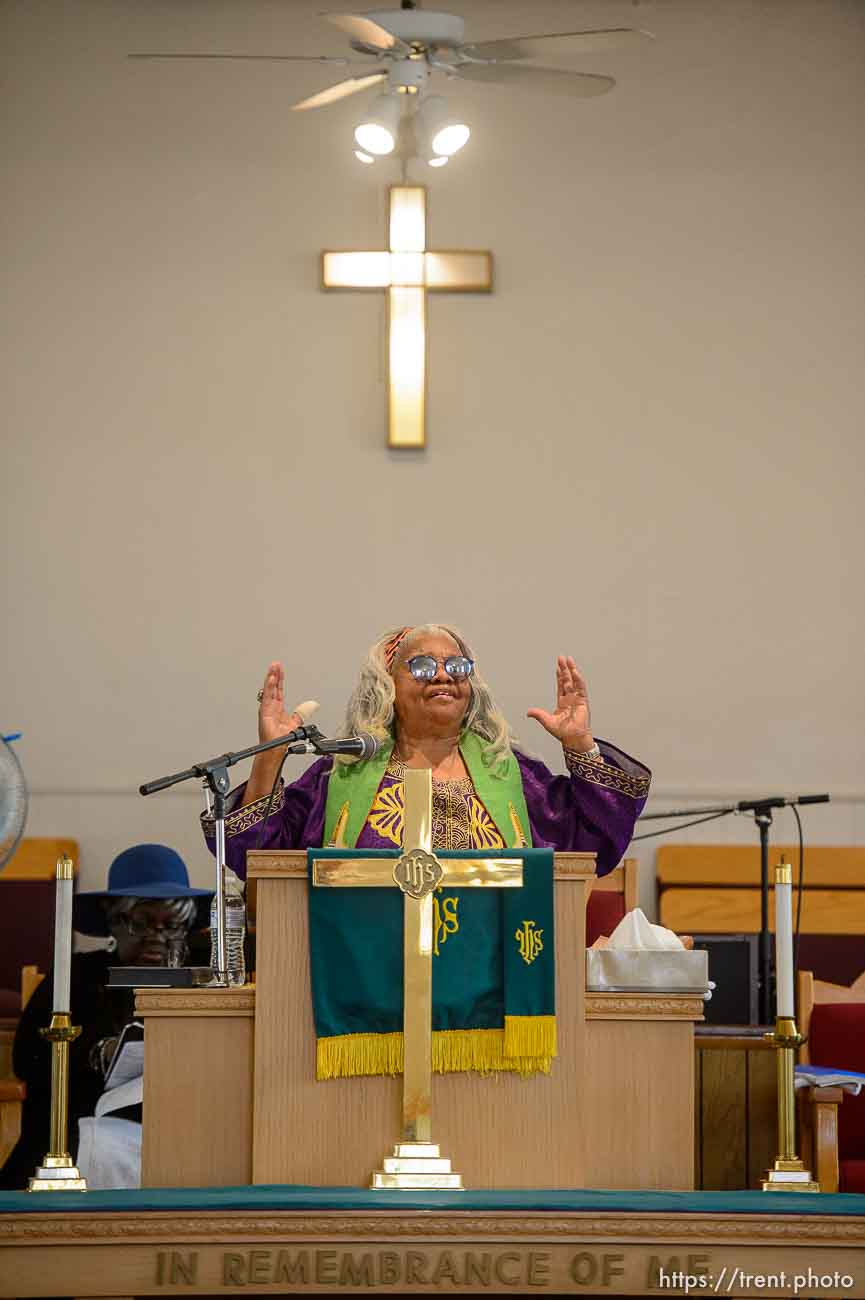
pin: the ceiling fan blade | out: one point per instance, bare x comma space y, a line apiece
273, 58
577, 85
339, 91
535, 47
367, 31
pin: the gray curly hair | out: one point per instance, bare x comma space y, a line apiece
371, 705
182, 910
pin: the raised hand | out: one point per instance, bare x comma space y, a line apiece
570, 723
273, 721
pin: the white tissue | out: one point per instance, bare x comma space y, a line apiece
635, 930
645, 957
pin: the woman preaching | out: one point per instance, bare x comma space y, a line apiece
421, 696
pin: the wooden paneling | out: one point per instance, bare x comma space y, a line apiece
762, 1104
725, 1143
715, 889
233, 1250
739, 864
736, 1122
733, 911
637, 1104
197, 1087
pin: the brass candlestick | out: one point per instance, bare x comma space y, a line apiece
57, 1173
788, 1174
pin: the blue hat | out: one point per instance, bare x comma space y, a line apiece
144, 871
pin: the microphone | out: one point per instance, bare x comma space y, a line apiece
744, 805
361, 746
761, 805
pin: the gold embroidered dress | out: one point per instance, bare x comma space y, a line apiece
459, 818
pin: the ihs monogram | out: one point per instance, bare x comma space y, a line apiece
445, 919
529, 941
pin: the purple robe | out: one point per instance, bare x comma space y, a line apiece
591, 810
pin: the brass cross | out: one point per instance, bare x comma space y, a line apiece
407, 270
416, 1160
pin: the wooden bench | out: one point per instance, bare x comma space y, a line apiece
716, 887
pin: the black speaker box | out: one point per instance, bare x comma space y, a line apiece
733, 969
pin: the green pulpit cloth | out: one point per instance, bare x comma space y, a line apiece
493, 972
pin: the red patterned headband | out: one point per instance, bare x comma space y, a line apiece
393, 645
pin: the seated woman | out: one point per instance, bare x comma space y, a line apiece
421, 696
147, 911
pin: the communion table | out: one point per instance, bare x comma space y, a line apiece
230, 1095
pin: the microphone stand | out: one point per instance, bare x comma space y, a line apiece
762, 810
213, 772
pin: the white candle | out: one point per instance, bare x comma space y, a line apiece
63, 935
784, 940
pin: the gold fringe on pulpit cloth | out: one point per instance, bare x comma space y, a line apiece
526, 1045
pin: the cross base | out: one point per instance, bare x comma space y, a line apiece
416, 1166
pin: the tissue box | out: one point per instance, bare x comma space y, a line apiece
642, 970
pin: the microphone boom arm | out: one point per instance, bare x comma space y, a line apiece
224, 761
743, 805
214, 773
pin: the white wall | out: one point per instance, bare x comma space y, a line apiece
644, 448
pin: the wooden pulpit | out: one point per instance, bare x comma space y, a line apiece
500, 1130
230, 1094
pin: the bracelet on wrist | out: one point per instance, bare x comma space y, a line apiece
592, 755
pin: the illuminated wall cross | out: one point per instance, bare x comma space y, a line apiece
407, 271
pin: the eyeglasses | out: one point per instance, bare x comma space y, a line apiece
139, 926
423, 668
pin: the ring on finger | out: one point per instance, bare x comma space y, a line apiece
260, 695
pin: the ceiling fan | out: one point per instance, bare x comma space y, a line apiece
400, 50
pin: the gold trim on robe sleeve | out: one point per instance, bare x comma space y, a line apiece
251, 814
605, 775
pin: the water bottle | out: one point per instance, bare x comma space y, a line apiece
235, 930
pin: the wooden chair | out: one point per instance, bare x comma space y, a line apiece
12, 1091
36, 859
610, 897
27, 892
833, 1142
31, 978
12, 1094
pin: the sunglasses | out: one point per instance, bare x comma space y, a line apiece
138, 927
423, 668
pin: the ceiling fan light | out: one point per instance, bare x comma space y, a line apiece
374, 138
437, 161
363, 157
377, 133
450, 138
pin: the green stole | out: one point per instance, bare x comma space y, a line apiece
526, 1042
353, 786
